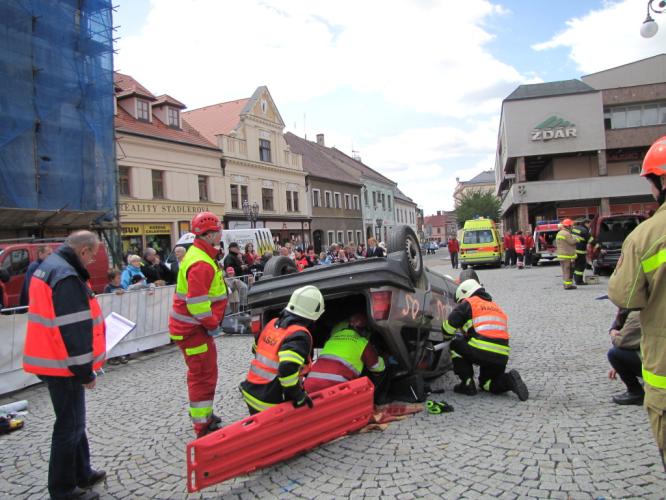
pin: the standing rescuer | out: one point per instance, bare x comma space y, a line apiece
198, 310
639, 283
566, 252
581, 232
484, 342
283, 354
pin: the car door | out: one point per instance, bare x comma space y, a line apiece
16, 261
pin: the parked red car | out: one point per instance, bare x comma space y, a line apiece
609, 232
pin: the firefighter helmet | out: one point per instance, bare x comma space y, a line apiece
306, 302
204, 222
655, 159
466, 289
567, 223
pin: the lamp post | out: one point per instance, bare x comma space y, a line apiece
650, 26
251, 212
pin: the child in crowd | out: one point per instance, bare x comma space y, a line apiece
232, 289
113, 286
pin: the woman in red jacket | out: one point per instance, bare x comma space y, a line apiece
529, 249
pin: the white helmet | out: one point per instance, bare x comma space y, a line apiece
466, 289
306, 302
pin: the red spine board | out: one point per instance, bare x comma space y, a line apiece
278, 433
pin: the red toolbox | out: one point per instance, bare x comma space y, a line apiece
278, 433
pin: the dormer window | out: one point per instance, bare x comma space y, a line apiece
173, 117
142, 110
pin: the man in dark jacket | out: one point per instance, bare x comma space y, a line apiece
154, 269
43, 252
234, 259
625, 356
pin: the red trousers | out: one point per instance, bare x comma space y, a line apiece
200, 355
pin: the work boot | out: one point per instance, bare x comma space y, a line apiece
629, 398
468, 388
216, 419
95, 477
80, 494
211, 427
570, 287
518, 386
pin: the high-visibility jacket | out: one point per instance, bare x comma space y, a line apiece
566, 244
583, 238
490, 326
639, 282
518, 244
45, 352
207, 309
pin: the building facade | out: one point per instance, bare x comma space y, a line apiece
574, 148
440, 227
334, 195
483, 182
168, 172
260, 169
405, 210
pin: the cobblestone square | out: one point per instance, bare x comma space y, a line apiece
567, 441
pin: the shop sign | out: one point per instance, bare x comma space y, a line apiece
131, 229
553, 127
157, 228
136, 207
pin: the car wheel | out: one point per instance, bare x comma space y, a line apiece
277, 266
404, 240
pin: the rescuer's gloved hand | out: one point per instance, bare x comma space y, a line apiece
216, 332
298, 396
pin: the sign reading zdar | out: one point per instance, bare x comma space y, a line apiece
553, 127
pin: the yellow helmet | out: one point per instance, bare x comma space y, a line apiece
306, 302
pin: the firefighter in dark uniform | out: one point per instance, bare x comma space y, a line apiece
484, 342
581, 232
283, 354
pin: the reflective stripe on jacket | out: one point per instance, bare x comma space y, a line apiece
566, 244
518, 244
582, 236
491, 326
268, 355
45, 352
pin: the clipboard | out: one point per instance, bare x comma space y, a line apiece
117, 328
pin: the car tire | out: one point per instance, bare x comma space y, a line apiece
280, 265
404, 240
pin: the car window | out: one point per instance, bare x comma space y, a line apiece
478, 236
17, 262
617, 229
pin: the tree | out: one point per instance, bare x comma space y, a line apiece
477, 204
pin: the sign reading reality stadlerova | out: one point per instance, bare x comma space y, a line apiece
553, 127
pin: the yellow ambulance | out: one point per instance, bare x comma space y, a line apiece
480, 243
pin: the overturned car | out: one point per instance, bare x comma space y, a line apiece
405, 304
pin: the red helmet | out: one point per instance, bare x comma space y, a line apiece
567, 223
204, 222
655, 159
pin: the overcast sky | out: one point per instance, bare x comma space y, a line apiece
415, 86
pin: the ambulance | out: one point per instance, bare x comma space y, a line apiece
480, 243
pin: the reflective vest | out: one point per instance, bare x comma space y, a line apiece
264, 366
519, 245
346, 347
45, 352
192, 309
490, 324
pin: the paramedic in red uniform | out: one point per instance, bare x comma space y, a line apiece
198, 310
64, 345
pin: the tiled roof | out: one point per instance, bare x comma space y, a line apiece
317, 163
216, 119
435, 220
350, 163
399, 195
485, 177
549, 89
124, 122
129, 86
167, 99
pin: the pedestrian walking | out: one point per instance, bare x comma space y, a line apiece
196, 316
65, 343
453, 246
639, 283
566, 252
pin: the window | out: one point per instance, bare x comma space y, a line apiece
348, 202
327, 199
336, 198
17, 262
478, 236
389, 201
635, 116
357, 202
341, 237
329, 237
203, 188
243, 192
350, 236
173, 117
236, 200
267, 198
158, 184
374, 199
124, 181
292, 201
358, 237
650, 115
383, 201
365, 197
142, 110
316, 198
264, 150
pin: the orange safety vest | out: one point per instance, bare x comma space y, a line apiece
519, 245
45, 352
264, 366
488, 319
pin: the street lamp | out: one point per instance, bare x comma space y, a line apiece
251, 212
650, 26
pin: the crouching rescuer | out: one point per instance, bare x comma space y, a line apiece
484, 342
282, 354
198, 310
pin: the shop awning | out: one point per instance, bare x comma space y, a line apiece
16, 219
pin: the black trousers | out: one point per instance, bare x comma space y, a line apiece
627, 364
528, 257
69, 464
579, 268
454, 260
491, 367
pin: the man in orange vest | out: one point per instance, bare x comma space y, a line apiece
484, 342
282, 354
196, 316
64, 345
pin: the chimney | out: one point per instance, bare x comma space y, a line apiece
320, 139
439, 212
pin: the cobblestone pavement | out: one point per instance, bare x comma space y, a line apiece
568, 441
